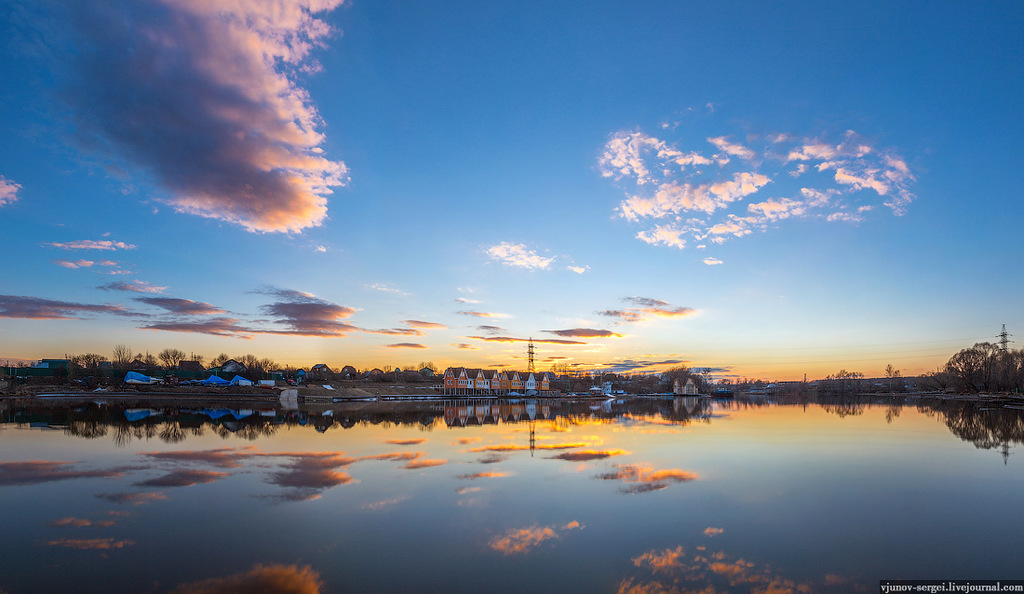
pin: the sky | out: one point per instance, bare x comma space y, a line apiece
763, 190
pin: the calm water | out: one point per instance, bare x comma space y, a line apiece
475, 496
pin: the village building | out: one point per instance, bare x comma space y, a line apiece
460, 381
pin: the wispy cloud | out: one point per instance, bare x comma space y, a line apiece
306, 315
88, 244
578, 269
514, 339
585, 333
8, 191
90, 544
466, 300
405, 345
586, 455
518, 255
731, 148
641, 479
74, 264
712, 261
185, 307
384, 288
206, 100
183, 478
647, 309
37, 308
132, 287
219, 326
261, 578
425, 325
481, 314
34, 472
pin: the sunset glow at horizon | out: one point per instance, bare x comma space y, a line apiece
765, 192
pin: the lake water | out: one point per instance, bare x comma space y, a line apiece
479, 496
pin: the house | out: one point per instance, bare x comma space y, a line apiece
427, 372
52, 364
190, 366
375, 374
232, 366
321, 373
456, 381
687, 388
348, 372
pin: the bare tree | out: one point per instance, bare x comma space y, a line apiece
171, 357
122, 356
219, 360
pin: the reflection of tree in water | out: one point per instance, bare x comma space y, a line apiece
843, 405
172, 432
979, 423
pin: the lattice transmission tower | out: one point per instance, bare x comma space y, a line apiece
529, 357
1004, 339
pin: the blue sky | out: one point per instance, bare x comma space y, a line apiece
767, 190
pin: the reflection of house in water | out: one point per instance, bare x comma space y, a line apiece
465, 413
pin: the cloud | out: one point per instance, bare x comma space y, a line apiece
415, 464
308, 474
386, 289
425, 325
221, 457
712, 261
477, 475
711, 531
261, 578
481, 314
405, 345
521, 540
518, 255
465, 347
585, 333
670, 235
663, 561
683, 195
74, 264
648, 309
185, 307
82, 522
203, 97
490, 329
34, 472
133, 287
641, 479
406, 441
8, 191
306, 315
394, 456
87, 244
320, 249
534, 340
385, 503
221, 326
731, 148
466, 300
90, 544
37, 308
586, 455
578, 269
133, 498
513, 447
184, 478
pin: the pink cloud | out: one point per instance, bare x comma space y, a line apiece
8, 191
208, 103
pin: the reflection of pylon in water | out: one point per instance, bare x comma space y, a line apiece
533, 437
529, 357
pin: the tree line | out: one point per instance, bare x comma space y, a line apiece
984, 367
